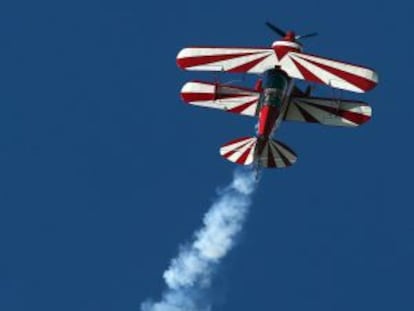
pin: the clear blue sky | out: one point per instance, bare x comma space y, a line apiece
104, 172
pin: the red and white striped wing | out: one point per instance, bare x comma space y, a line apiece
218, 96
240, 151
330, 72
241, 60
328, 111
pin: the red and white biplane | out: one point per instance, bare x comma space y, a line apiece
275, 98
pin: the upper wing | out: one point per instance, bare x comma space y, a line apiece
297, 65
218, 96
328, 111
241, 60
330, 72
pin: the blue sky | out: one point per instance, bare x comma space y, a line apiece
104, 172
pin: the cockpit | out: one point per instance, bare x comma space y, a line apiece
272, 97
274, 87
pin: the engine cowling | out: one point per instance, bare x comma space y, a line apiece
282, 47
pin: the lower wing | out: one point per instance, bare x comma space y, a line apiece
328, 111
229, 98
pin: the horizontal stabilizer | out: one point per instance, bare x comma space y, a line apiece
240, 151
328, 111
229, 98
265, 153
274, 154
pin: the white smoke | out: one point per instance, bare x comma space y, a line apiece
191, 271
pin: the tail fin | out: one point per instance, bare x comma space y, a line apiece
265, 153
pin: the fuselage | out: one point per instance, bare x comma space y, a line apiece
273, 101
276, 89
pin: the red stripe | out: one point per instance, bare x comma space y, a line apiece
235, 95
355, 117
193, 97
243, 157
202, 60
233, 151
229, 154
307, 75
247, 66
267, 118
241, 108
360, 82
236, 141
281, 51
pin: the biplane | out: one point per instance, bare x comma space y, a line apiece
275, 98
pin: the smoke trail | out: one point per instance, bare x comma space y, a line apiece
190, 273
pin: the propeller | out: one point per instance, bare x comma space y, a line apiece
282, 33
279, 31
313, 34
